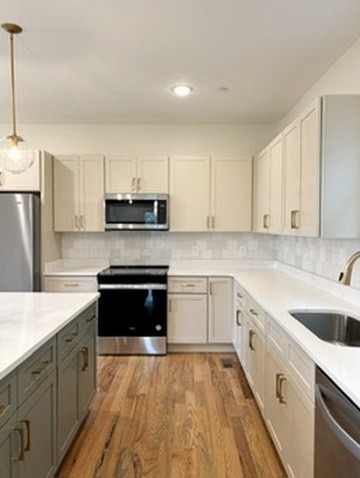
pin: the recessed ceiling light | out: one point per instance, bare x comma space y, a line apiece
181, 90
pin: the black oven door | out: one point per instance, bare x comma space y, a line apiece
134, 310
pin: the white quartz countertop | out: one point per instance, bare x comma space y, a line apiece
28, 320
74, 268
277, 289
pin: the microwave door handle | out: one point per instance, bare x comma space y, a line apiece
156, 207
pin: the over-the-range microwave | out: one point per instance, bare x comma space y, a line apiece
136, 211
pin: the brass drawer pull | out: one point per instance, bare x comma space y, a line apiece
28, 435
43, 367
71, 337
21, 454
294, 215
280, 380
71, 284
238, 314
252, 333
253, 312
3, 409
85, 353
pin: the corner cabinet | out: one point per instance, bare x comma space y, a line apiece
127, 174
210, 194
78, 193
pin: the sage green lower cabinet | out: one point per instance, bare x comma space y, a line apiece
76, 388
36, 420
8, 449
44, 401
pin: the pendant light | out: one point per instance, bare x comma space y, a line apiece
15, 155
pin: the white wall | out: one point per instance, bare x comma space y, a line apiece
148, 139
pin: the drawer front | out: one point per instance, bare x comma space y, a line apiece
68, 338
87, 319
34, 370
188, 285
302, 369
240, 298
70, 284
257, 314
8, 397
277, 339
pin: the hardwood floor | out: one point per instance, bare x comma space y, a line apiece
177, 416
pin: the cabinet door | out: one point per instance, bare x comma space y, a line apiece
66, 193
91, 193
87, 372
152, 175
187, 319
120, 174
28, 180
255, 362
67, 416
262, 191
291, 157
276, 186
37, 418
9, 450
309, 131
231, 194
277, 409
220, 310
190, 194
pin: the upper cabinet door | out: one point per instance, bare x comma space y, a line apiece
66, 193
309, 133
92, 193
231, 194
120, 174
152, 175
276, 185
291, 151
262, 191
189, 194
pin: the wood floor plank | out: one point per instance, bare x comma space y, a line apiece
176, 416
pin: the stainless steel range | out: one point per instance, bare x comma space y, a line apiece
133, 310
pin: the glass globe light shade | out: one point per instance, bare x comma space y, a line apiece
15, 154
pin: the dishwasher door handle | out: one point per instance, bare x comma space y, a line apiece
347, 440
132, 286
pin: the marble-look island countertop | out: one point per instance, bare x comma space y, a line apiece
29, 319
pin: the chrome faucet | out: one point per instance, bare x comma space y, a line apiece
345, 276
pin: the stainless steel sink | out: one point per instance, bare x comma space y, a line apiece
333, 327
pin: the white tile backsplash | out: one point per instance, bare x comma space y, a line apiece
324, 257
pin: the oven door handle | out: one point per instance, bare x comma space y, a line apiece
132, 286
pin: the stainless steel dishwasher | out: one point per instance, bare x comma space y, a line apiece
337, 431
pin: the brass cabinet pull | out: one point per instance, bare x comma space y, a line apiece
3, 409
239, 295
169, 307
253, 312
238, 314
71, 284
138, 184
213, 222
266, 221
208, 222
280, 380
71, 337
82, 222
85, 354
90, 319
77, 222
43, 366
294, 214
21, 454
28, 435
252, 333
1, 178
133, 184
211, 288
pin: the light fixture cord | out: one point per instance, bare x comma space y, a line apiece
12, 72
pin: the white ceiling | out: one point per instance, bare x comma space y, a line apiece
113, 61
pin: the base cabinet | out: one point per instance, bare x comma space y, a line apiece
44, 401
200, 310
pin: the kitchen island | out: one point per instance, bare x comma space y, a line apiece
47, 377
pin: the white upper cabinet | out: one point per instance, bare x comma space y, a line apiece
79, 193
302, 173
231, 194
189, 194
129, 174
210, 194
29, 180
268, 188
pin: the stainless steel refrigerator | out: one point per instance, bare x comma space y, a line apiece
19, 242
